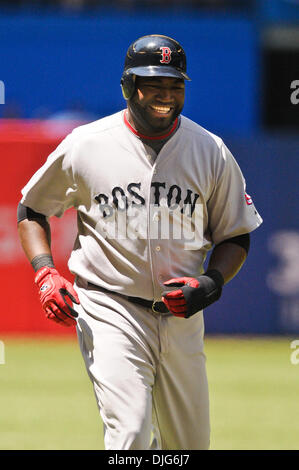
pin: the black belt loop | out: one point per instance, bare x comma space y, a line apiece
155, 306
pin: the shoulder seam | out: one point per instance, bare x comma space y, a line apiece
79, 132
204, 133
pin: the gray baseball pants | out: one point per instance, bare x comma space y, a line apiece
148, 372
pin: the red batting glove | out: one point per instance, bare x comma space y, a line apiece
53, 290
175, 300
195, 293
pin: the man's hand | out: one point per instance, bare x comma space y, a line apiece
53, 291
194, 294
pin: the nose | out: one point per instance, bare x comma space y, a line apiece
165, 94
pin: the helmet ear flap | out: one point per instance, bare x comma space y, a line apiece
127, 84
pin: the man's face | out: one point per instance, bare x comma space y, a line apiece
156, 103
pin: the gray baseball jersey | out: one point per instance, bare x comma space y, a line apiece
132, 210
143, 219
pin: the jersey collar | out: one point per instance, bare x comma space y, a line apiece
138, 134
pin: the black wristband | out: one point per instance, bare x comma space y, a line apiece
40, 261
216, 276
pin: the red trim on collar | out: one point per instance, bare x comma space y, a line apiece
160, 137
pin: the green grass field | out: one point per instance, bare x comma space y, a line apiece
47, 401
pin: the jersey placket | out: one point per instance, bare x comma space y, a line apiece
157, 245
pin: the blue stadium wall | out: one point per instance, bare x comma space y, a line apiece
264, 296
49, 62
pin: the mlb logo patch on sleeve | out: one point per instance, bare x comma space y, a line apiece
248, 199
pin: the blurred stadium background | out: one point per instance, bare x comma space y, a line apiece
61, 66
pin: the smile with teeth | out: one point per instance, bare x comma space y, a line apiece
161, 109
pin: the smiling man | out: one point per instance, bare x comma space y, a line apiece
138, 299
157, 103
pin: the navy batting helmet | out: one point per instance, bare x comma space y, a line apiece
152, 55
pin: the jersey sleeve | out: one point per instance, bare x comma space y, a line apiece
231, 210
52, 189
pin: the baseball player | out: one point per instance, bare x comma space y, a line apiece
154, 194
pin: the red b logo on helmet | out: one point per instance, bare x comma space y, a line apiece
166, 55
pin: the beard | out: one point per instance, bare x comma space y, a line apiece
149, 124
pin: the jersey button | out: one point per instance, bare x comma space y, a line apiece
158, 248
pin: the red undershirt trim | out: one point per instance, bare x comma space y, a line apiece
160, 137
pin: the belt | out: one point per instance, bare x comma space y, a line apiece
155, 306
